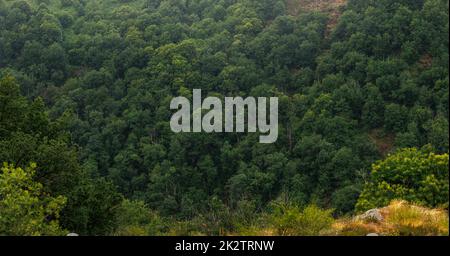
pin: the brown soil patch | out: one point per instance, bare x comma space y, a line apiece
383, 142
426, 61
331, 7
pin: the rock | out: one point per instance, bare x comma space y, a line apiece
373, 215
373, 234
72, 234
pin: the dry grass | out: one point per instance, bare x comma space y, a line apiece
404, 219
399, 219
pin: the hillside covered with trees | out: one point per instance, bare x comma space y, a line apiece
85, 90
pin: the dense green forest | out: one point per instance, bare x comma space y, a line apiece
85, 89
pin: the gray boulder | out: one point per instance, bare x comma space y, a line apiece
373, 215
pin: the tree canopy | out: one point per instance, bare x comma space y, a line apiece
85, 90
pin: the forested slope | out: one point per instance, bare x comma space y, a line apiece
93, 81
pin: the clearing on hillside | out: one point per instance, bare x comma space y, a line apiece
331, 7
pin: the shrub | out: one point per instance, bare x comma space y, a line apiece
25, 209
289, 220
134, 218
410, 174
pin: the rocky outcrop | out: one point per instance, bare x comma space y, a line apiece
373, 215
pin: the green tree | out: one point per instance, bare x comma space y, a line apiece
25, 209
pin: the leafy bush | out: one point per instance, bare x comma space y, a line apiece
410, 174
134, 218
25, 210
289, 220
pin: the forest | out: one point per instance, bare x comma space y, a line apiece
85, 139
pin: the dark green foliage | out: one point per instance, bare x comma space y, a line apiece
28, 135
100, 75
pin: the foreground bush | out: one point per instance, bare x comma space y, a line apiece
134, 218
288, 220
25, 209
410, 174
